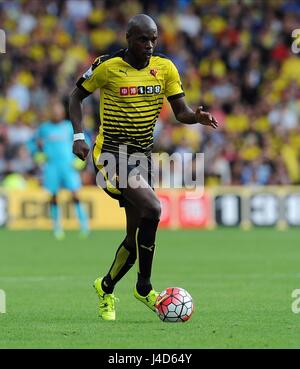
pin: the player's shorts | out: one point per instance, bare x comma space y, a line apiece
56, 177
112, 178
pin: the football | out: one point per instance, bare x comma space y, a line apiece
174, 305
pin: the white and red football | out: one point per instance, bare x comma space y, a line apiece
174, 305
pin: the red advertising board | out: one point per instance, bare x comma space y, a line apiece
194, 211
167, 213
184, 210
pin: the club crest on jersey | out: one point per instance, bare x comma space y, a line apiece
153, 72
140, 90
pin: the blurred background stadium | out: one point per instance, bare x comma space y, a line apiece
235, 58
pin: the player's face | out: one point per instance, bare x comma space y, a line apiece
142, 43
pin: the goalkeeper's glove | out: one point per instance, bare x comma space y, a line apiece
40, 157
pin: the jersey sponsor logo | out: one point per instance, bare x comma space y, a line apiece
149, 90
157, 89
140, 90
124, 91
133, 90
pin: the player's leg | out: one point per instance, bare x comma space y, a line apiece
126, 254
51, 184
147, 204
123, 261
81, 214
56, 218
70, 179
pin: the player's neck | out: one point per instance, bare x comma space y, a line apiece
130, 59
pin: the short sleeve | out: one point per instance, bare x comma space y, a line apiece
173, 87
95, 77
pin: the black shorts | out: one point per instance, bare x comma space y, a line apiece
113, 170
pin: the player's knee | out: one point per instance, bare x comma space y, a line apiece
152, 210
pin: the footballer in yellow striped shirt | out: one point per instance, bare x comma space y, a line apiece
132, 85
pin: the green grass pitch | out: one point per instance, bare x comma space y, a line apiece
241, 282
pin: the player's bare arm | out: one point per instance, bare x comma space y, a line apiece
185, 114
80, 147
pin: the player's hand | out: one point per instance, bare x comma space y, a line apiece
81, 149
205, 118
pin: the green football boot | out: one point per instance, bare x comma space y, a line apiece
107, 301
148, 300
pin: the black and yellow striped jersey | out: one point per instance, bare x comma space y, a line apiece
130, 99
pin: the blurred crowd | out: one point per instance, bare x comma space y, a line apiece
235, 59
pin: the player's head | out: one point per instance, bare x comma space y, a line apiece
141, 37
57, 112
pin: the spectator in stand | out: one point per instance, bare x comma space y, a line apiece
3, 161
